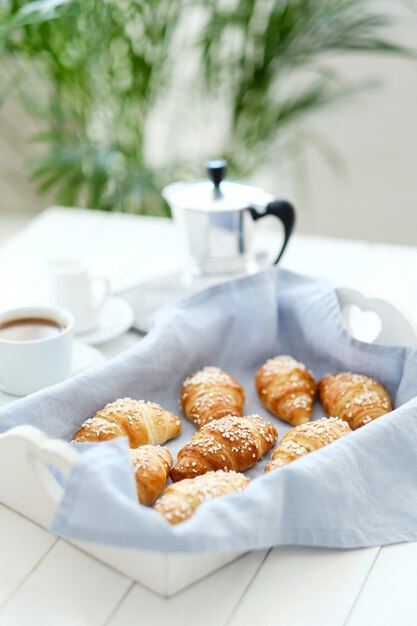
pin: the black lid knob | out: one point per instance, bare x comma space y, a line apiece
216, 171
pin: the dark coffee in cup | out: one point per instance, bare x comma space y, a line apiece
29, 329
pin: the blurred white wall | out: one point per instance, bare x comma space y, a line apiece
375, 197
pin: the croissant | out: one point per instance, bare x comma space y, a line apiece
287, 389
356, 398
142, 422
151, 465
307, 438
229, 443
210, 394
180, 500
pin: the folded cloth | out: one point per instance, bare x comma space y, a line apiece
359, 491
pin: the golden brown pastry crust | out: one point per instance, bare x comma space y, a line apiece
307, 438
151, 465
287, 389
180, 500
142, 422
210, 394
229, 443
355, 398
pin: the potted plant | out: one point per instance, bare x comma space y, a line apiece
126, 93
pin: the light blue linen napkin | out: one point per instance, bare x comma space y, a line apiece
360, 491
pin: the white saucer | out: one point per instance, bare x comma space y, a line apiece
115, 319
84, 357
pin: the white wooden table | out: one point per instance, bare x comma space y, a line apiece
47, 582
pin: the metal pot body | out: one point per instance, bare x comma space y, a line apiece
218, 242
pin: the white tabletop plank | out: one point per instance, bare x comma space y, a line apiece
389, 270
338, 260
118, 246
207, 603
305, 587
134, 258
67, 588
22, 546
389, 597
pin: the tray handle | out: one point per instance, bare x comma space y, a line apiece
32, 489
58, 455
396, 327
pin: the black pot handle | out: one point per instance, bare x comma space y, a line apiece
285, 212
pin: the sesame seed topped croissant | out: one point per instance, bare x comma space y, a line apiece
355, 398
229, 443
209, 394
307, 438
287, 389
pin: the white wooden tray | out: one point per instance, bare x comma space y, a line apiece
32, 490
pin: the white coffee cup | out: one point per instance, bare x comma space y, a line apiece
72, 287
29, 365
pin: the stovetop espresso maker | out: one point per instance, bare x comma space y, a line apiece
217, 218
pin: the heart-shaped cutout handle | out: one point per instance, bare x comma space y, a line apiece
363, 325
374, 320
